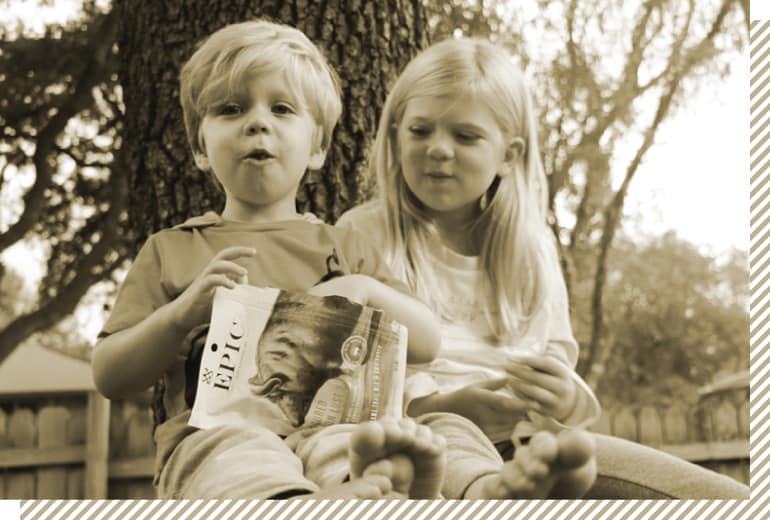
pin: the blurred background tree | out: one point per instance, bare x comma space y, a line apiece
93, 157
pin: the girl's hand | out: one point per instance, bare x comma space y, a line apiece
354, 287
491, 411
193, 306
544, 383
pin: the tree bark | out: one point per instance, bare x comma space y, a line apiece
367, 42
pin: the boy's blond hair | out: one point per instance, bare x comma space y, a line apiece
220, 65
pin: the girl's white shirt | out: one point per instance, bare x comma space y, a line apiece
467, 354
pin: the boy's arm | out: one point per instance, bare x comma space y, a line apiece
424, 335
133, 358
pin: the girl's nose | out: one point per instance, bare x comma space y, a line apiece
440, 150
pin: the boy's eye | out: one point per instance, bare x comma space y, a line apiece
229, 109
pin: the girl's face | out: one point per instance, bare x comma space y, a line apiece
450, 150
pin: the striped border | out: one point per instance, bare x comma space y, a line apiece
759, 256
759, 259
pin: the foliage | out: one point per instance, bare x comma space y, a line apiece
678, 319
605, 73
61, 123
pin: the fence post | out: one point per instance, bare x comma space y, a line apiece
97, 446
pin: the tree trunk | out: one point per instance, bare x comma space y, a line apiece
367, 42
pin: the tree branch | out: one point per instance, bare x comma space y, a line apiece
67, 298
598, 344
103, 40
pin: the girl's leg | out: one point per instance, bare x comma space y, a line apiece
561, 466
628, 470
633, 471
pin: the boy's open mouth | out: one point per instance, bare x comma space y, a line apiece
259, 154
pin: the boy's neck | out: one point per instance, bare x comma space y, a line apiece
258, 214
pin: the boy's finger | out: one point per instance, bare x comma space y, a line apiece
217, 280
227, 267
231, 253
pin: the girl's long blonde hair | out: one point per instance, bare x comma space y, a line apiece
513, 255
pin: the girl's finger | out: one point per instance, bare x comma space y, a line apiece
546, 364
536, 378
493, 384
533, 392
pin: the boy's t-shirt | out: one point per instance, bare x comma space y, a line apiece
292, 255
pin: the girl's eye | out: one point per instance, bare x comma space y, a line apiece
419, 131
468, 137
282, 108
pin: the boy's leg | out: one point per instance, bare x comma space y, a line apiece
410, 456
231, 463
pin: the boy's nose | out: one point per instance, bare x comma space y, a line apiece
256, 123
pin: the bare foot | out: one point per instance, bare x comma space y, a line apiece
414, 451
378, 481
549, 466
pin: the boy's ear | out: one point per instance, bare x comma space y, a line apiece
201, 161
317, 159
318, 154
515, 149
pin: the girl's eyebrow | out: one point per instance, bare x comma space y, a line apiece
472, 126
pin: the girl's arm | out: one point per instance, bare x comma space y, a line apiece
424, 335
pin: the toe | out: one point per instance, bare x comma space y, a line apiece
576, 447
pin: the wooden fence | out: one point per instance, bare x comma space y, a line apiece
714, 434
75, 446
82, 446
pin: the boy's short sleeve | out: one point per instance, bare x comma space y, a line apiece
366, 227
141, 292
371, 262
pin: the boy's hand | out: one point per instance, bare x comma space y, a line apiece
354, 287
544, 383
193, 306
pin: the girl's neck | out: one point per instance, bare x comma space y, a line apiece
456, 229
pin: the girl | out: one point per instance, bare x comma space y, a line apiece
461, 219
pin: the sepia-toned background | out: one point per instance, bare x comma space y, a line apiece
643, 112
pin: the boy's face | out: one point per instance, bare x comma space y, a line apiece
259, 144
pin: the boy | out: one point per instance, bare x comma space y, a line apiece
260, 104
